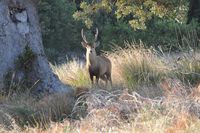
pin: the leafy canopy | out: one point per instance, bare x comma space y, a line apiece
135, 12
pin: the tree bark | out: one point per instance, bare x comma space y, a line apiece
193, 11
19, 28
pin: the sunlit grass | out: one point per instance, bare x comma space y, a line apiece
131, 67
73, 73
123, 108
136, 65
188, 70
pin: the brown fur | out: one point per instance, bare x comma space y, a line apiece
101, 70
98, 66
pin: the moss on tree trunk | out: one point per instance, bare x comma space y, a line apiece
20, 33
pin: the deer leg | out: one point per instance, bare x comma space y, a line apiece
110, 81
92, 79
109, 78
97, 80
104, 78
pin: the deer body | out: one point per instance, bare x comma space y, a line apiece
98, 66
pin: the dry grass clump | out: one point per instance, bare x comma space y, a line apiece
151, 94
136, 65
121, 111
73, 73
188, 69
23, 110
55, 127
118, 111
131, 67
127, 111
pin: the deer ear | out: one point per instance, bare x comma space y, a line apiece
84, 44
96, 44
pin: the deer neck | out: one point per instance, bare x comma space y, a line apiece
91, 60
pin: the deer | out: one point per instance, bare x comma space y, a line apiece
97, 66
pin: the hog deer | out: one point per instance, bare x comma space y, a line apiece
98, 66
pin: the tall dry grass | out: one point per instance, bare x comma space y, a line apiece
124, 108
73, 73
136, 65
121, 111
131, 67
21, 111
188, 69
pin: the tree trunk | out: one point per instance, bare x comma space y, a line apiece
21, 49
193, 11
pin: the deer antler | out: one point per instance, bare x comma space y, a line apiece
83, 36
96, 35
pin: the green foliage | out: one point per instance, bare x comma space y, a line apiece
169, 35
22, 115
24, 66
155, 22
188, 36
7, 82
25, 59
52, 53
11, 86
136, 13
59, 29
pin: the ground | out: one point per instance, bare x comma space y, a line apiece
152, 92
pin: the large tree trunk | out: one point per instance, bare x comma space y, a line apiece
194, 10
19, 29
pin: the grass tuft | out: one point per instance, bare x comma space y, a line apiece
152, 93
73, 73
189, 70
136, 65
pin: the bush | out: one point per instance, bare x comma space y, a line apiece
61, 31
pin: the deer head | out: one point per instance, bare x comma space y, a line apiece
90, 47
98, 66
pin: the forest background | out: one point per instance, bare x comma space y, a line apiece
158, 24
